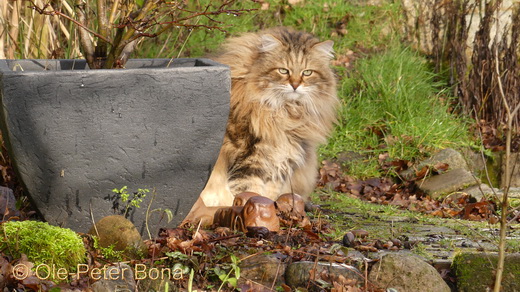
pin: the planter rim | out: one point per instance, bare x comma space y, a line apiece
9, 66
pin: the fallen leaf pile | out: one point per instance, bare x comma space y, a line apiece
493, 138
405, 194
204, 250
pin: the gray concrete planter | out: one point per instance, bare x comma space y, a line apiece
75, 134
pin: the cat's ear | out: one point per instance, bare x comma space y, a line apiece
269, 42
326, 48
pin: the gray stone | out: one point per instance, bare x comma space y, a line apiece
406, 274
265, 270
7, 204
453, 158
118, 277
476, 271
474, 159
480, 191
448, 182
299, 274
75, 134
513, 193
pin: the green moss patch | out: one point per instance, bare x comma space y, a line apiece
475, 271
43, 244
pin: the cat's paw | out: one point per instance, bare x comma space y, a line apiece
200, 214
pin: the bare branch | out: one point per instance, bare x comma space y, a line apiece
134, 23
102, 19
87, 46
60, 14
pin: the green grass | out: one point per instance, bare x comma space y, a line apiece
393, 103
369, 27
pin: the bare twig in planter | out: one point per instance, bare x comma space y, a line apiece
86, 43
122, 24
13, 32
79, 3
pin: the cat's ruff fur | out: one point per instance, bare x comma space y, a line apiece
283, 105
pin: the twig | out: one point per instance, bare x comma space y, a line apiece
60, 14
92, 218
225, 237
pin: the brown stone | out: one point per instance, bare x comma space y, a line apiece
230, 217
263, 269
242, 198
292, 210
261, 211
118, 231
258, 211
291, 203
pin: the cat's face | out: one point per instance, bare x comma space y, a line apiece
293, 67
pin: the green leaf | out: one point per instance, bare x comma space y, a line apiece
140, 3
232, 281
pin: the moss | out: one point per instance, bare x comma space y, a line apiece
493, 167
475, 271
43, 244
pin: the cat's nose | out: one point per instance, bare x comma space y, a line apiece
295, 84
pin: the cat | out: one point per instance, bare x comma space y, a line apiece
283, 106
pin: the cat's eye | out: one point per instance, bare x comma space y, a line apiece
283, 71
307, 72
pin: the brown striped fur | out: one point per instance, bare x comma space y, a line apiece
283, 105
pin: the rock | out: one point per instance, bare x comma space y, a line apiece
406, 274
348, 239
486, 168
483, 190
261, 212
291, 203
480, 191
291, 210
475, 271
514, 193
264, 269
242, 198
448, 182
475, 161
449, 156
7, 204
229, 217
298, 274
258, 211
118, 231
118, 277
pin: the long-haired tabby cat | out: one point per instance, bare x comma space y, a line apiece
283, 105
